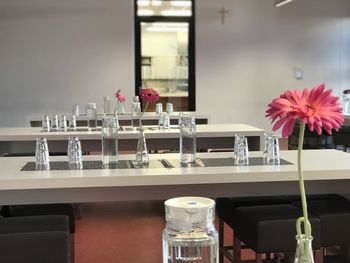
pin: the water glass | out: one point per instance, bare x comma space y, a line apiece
164, 120
159, 108
106, 106
74, 153
169, 108
181, 114
54, 122
346, 103
109, 141
188, 145
42, 159
238, 140
63, 123
72, 122
241, 151
91, 113
190, 234
267, 139
273, 151
46, 123
76, 111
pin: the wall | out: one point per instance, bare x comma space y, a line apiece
54, 54
57, 53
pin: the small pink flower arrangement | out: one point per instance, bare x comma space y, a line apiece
317, 109
149, 95
119, 96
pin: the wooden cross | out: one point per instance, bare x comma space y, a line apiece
223, 12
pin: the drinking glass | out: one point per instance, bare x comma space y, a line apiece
166, 121
238, 141
109, 141
74, 153
190, 234
54, 122
159, 108
135, 112
267, 139
106, 106
188, 145
46, 123
169, 108
42, 159
273, 151
242, 152
91, 113
72, 122
181, 114
63, 123
76, 110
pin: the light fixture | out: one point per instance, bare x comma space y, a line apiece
145, 12
181, 3
282, 2
170, 12
143, 2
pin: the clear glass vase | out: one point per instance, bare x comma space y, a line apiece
303, 253
142, 152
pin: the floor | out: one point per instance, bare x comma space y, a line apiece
126, 232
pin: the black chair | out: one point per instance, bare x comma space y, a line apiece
35, 239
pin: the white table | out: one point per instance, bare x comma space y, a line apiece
325, 171
22, 139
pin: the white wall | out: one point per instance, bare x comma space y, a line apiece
57, 53
54, 54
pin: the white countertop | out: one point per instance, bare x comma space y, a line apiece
325, 171
203, 130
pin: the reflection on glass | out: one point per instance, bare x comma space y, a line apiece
164, 59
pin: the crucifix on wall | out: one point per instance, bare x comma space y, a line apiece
223, 12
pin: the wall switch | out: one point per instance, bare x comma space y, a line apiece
298, 72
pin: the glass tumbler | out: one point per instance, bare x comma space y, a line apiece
190, 234
91, 113
42, 159
188, 139
46, 123
72, 122
63, 123
169, 108
242, 154
159, 108
273, 151
109, 141
54, 122
74, 153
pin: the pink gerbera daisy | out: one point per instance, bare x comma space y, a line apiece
119, 96
149, 95
315, 107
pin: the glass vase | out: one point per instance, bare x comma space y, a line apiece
303, 253
142, 152
120, 108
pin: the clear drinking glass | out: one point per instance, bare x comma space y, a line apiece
166, 121
190, 234
169, 108
46, 123
76, 111
109, 141
135, 114
273, 151
54, 122
72, 122
159, 108
346, 103
188, 137
42, 159
91, 113
63, 123
106, 106
267, 139
241, 151
74, 153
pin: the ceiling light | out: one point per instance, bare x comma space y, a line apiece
156, 2
143, 2
145, 12
176, 12
167, 29
282, 2
181, 3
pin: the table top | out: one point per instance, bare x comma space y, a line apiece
203, 130
318, 165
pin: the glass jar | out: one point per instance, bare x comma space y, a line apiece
190, 235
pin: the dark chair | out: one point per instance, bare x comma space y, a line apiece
35, 239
